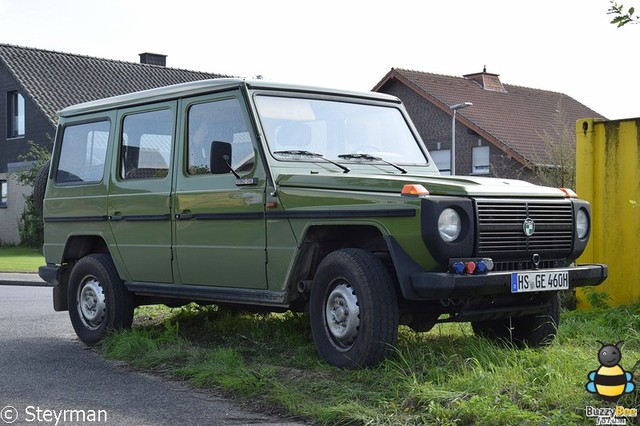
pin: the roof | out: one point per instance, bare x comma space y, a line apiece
513, 117
55, 80
206, 86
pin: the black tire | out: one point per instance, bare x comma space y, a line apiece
98, 300
39, 187
353, 309
529, 330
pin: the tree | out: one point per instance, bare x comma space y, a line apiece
558, 167
621, 17
30, 224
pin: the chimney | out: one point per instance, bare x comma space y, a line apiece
487, 80
153, 59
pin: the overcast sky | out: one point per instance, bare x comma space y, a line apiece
566, 46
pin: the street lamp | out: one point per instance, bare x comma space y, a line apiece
455, 108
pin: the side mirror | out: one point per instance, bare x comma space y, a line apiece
220, 158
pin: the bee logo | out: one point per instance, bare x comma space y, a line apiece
610, 381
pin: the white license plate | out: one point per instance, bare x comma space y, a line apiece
539, 281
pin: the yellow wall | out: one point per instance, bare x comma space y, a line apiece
608, 176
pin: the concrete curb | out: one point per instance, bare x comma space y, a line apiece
26, 280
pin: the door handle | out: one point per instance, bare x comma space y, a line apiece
185, 215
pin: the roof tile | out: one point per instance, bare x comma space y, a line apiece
516, 117
55, 80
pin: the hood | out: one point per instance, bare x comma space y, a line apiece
469, 186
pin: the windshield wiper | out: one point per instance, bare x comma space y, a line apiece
312, 154
372, 158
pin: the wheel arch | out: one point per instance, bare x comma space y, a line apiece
76, 247
322, 239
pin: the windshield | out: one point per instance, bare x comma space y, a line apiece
337, 131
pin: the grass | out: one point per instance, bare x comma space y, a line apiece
20, 259
447, 376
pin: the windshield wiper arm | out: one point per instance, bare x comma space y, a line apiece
372, 158
312, 154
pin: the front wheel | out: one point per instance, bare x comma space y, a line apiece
353, 309
531, 330
98, 300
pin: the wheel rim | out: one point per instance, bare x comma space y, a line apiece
91, 303
342, 315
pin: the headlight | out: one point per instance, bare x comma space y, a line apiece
449, 225
582, 224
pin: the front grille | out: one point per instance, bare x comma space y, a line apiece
502, 237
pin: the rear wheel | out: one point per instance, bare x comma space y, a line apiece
353, 309
531, 330
98, 300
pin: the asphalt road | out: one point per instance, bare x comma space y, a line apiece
48, 376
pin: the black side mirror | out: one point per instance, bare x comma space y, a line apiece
220, 158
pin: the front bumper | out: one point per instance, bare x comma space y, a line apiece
443, 285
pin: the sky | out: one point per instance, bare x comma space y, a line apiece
565, 46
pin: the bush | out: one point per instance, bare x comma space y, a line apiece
30, 224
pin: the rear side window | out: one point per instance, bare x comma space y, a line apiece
146, 145
83, 153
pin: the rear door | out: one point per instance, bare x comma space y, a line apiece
140, 195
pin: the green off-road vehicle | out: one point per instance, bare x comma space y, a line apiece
279, 197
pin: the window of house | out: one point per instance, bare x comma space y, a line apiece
83, 153
480, 160
146, 145
4, 189
442, 158
15, 115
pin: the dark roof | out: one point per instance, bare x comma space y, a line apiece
55, 80
512, 117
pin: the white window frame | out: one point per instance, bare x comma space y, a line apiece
442, 160
15, 115
4, 193
480, 157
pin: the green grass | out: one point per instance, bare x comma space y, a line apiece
447, 376
20, 259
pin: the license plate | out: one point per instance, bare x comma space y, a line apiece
539, 281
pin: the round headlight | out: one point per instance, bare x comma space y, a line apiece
582, 223
449, 225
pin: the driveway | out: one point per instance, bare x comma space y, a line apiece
50, 378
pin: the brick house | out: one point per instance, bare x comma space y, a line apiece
35, 84
500, 135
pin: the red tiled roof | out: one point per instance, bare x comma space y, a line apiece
514, 118
55, 80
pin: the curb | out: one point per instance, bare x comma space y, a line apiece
24, 280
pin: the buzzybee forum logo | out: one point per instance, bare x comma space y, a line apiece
610, 381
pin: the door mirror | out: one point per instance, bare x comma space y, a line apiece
220, 161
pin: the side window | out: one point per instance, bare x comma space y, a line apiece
83, 153
4, 189
146, 145
218, 121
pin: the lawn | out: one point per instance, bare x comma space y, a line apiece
447, 376
20, 259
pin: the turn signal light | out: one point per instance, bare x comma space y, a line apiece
414, 190
569, 192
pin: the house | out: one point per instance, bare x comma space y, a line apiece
504, 133
35, 84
